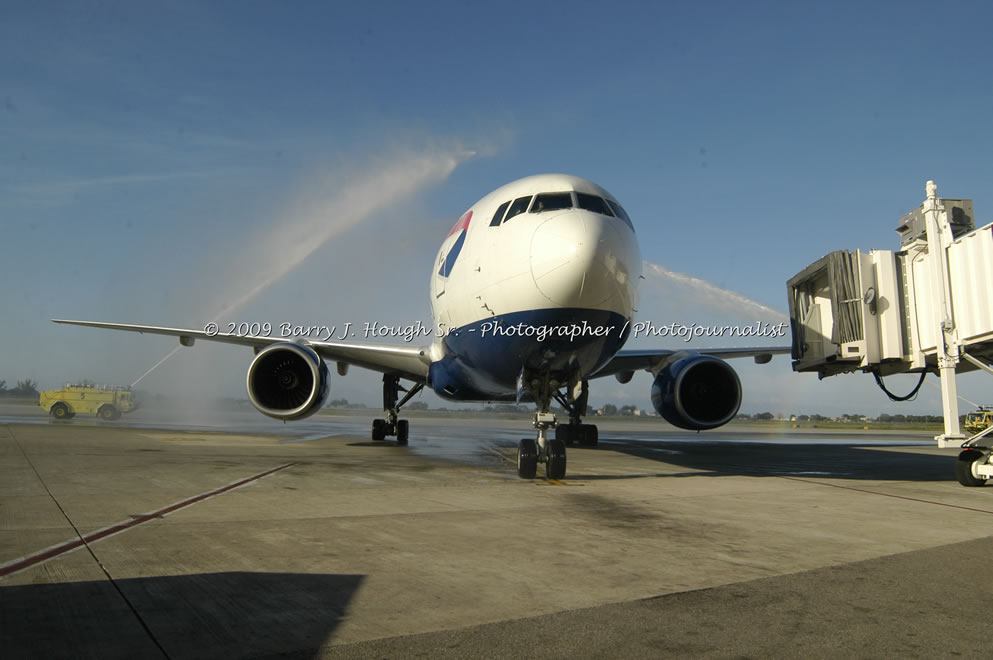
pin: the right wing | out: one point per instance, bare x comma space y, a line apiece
409, 362
655, 359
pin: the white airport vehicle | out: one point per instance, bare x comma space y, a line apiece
926, 308
533, 293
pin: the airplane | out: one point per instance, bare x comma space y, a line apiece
533, 294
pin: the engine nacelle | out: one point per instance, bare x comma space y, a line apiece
697, 393
288, 381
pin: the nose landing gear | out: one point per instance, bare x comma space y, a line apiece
551, 451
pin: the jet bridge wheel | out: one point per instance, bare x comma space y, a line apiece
967, 460
527, 459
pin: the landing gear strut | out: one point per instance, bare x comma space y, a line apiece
575, 404
392, 425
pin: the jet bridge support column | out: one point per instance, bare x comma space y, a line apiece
939, 237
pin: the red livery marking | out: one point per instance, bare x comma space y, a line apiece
18, 565
463, 223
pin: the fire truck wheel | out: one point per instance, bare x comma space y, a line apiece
109, 413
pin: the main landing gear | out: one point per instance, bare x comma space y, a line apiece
392, 425
575, 431
551, 451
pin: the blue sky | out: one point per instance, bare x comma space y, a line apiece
152, 151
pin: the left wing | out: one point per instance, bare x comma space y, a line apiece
409, 362
656, 360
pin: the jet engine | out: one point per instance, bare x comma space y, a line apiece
288, 381
697, 393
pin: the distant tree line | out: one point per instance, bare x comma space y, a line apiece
849, 417
626, 411
343, 403
23, 388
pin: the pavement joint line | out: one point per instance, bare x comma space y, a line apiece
899, 497
23, 563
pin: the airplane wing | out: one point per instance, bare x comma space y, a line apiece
656, 360
406, 361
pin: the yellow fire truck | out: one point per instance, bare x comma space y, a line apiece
978, 420
103, 401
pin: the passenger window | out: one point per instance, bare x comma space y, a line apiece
593, 203
620, 213
498, 216
552, 202
519, 206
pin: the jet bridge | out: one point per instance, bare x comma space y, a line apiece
925, 308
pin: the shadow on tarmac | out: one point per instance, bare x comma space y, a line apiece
209, 615
836, 460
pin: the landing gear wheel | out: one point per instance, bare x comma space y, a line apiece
589, 436
60, 411
555, 464
566, 433
379, 429
964, 467
403, 429
527, 459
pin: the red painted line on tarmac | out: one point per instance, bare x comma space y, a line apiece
17, 565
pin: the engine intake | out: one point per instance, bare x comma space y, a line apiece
288, 381
697, 393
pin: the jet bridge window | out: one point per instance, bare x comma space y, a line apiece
593, 203
551, 202
519, 206
620, 213
498, 216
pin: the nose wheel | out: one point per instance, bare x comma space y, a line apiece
527, 459
555, 459
529, 455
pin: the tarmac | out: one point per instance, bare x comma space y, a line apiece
235, 537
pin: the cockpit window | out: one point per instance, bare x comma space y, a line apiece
498, 216
593, 203
519, 206
620, 213
551, 202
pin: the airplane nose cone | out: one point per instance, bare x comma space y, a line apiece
578, 260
